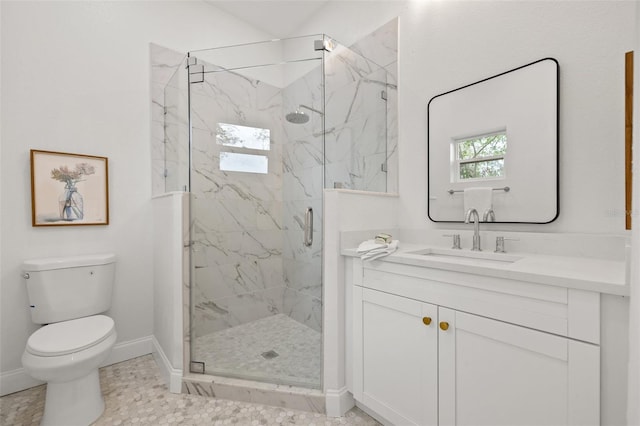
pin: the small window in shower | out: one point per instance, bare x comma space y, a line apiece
243, 136
479, 157
234, 162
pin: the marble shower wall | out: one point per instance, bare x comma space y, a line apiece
381, 47
361, 145
356, 143
237, 216
176, 131
362, 111
248, 253
361, 135
169, 120
250, 260
303, 164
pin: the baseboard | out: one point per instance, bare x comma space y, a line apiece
172, 376
18, 379
130, 349
15, 381
338, 402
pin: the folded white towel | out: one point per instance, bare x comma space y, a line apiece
380, 252
478, 198
369, 245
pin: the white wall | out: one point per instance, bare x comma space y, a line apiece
345, 211
75, 78
171, 235
446, 44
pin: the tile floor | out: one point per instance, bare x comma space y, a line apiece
244, 352
135, 394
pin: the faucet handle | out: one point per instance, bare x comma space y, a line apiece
455, 240
500, 244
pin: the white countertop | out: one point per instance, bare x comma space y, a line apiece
584, 273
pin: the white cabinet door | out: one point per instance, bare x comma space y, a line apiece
495, 373
398, 358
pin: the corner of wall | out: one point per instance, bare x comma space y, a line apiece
338, 402
172, 376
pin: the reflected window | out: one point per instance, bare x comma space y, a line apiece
479, 157
243, 136
234, 162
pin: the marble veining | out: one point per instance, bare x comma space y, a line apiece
241, 221
361, 135
169, 136
276, 395
246, 230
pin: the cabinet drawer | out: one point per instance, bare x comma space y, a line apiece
556, 310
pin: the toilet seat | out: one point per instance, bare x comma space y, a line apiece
71, 336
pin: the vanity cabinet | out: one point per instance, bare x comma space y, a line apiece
464, 349
397, 373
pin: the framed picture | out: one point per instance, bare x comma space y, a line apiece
69, 189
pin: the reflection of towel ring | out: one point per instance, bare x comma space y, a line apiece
505, 189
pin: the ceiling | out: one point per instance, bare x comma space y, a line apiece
280, 18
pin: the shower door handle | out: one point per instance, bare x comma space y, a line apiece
308, 227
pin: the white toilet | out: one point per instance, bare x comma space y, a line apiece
67, 294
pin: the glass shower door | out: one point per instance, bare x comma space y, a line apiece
256, 184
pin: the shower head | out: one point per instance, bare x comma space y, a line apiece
297, 117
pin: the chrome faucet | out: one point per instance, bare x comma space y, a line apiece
476, 228
489, 216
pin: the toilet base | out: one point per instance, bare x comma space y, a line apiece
75, 403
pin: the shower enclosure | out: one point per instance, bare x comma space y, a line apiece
270, 125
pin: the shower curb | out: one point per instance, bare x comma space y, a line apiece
284, 396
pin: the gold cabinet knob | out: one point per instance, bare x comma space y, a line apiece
444, 326
426, 320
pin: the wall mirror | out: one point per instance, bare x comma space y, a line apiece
500, 133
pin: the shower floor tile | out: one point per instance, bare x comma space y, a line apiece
277, 349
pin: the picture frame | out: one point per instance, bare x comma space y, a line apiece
69, 189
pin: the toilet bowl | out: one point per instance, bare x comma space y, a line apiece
67, 355
69, 295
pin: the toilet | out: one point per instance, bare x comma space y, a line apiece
68, 295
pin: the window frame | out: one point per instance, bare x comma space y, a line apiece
456, 162
231, 155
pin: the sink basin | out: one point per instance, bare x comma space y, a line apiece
467, 254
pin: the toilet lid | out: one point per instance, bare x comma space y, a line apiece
70, 336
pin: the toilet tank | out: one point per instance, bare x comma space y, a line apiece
64, 288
